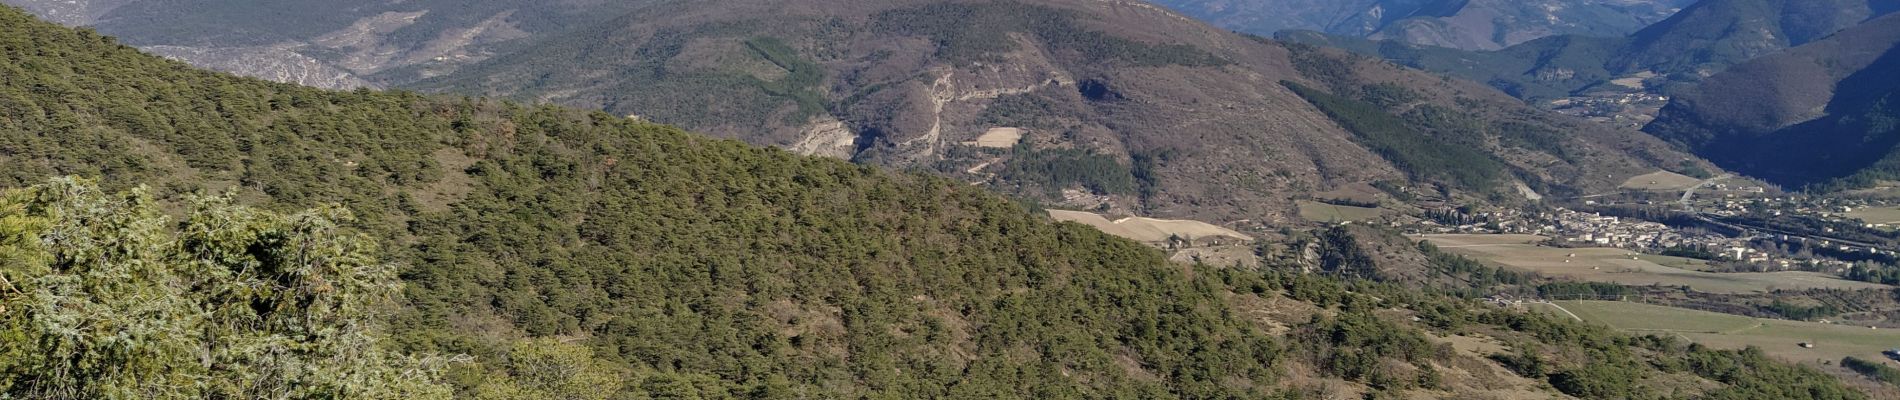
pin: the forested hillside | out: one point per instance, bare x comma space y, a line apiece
1472, 139
105, 297
1120, 105
1147, 112
691, 264
1822, 114
1703, 39
583, 255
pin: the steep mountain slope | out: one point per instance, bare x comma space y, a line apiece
584, 255
1813, 114
1125, 106
683, 255
1460, 24
1712, 35
1173, 118
1703, 39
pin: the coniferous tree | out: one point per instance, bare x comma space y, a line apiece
105, 299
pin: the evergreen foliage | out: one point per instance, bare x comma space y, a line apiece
105, 299
688, 261
1056, 169
1426, 157
970, 32
1477, 277
1586, 361
802, 77
1877, 370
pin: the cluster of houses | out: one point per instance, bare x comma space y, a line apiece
1602, 230
1573, 228
1628, 109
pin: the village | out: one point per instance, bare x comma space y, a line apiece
1568, 228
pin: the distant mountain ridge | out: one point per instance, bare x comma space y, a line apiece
1461, 24
1795, 92
1826, 113
1702, 40
330, 44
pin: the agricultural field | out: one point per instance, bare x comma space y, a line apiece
1881, 190
1321, 212
1637, 81
998, 138
1779, 338
1877, 215
1625, 267
1150, 230
1661, 181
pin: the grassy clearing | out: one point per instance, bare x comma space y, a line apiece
1661, 181
1321, 212
1877, 215
1149, 230
1881, 189
1677, 262
998, 138
1626, 267
1778, 338
1644, 317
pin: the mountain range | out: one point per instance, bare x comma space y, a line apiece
1804, 105
578, 254
835, 80
1120, 106
1701, 40
334, 44
1459, 24
1110, 105
1824, 113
